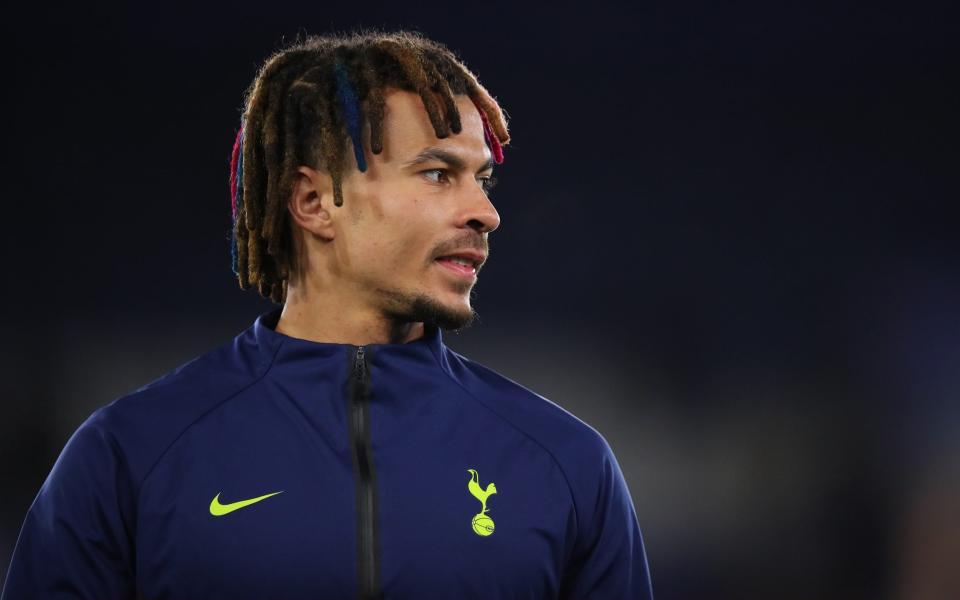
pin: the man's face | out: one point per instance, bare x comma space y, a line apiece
419, 202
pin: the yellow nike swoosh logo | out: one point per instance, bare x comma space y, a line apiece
218, 510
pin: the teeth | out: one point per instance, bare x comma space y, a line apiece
459, 261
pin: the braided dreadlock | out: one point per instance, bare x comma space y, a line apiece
303, 106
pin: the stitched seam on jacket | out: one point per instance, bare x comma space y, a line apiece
573, 498
202, 416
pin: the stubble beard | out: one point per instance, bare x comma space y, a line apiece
404, 307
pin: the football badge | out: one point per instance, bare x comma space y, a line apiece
482, 524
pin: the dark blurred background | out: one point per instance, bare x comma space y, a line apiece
729, 242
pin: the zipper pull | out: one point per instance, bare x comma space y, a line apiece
360, 364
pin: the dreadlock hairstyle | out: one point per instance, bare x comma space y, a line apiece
307, 101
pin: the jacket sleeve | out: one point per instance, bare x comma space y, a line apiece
76, 540
609, 561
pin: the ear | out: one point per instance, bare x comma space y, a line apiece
311, 201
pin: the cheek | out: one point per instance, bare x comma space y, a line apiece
404, 251
394, 236
406, 235
389, 252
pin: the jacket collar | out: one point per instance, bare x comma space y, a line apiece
279, 347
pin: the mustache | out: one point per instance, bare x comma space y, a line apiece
471, 241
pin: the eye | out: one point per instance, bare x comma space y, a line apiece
487, 183
435, 175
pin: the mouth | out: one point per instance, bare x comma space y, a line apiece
462, 264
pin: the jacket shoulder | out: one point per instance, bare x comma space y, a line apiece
555, 428
144, 423
606, 523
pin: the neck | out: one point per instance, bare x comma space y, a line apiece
324, 317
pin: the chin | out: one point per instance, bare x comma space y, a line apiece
425, 308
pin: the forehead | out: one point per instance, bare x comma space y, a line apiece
407, 129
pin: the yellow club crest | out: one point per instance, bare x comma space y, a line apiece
482, 524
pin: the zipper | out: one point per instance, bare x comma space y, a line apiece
367, 557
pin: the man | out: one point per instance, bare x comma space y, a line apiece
337, 448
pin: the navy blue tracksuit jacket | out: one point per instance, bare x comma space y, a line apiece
276, 467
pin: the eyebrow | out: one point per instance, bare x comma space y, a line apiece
438, 154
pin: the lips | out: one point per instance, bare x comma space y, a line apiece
459, 266
470, 257
463, 263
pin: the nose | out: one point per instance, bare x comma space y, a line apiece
479, 212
